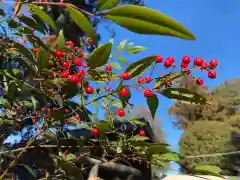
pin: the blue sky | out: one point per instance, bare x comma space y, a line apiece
216, 26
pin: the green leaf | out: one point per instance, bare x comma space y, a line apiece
163, 81
100, 56
82, 22
43, 58
115, 102
122, 60
107, 4
27, 104
124, 99
16, 72
42, 15
102, 76
143, 20
115, 65
158, 149
31, 23
139, 138
183, 95
34, 102
153, 104
136, 49
169, 157
60, 40
139, 67
208, 170
104, 125
121, 46
136, 122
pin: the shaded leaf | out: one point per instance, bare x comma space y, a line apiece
153, 104
139, 67
135, 49
158, 149
99, 56
139, 138
104, 125
162, 81
31, 23
143, 20
61, 40
115, 65
183, 95
107, 4
42, 15
82, 22
43, 58
34, 102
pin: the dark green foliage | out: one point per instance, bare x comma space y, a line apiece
209, 137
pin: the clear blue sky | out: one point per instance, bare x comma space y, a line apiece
216, 26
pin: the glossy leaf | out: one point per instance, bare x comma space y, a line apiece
82, 22
102, 76
99, 56
61, 40
139, 67
143, 20
208, 170
31, 23
115, 65
183, 95
169, 157
122, 60
153, 104
42, 15
136, 49
107, 4
104, 125
158, 149
121, 46
43, 58
163, 81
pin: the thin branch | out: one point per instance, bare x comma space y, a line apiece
212, 155
53, 3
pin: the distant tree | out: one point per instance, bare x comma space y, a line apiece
208, 137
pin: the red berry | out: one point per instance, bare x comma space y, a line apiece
148, 79
107, 88
75, 79
204, 65
213, 63
140, 80
121, 112
188, 71
65, 64
60, 54
184, 65
95, 131
81, 72
35, 50
69, 43
89, 89
159, 59
148, 93
91, 42
77, 62
77, 118
212, 74
167, 63
44, 108
141, 133
108, 68
186, 59
198, 61
124, 92
125, 76
65, 74
170, 58
199, 81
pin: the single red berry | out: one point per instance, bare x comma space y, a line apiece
65, 74
91, 42
186, 59
65, 64
125, 76
59, 54
213, 63
148, 79
159, 59
188, 71
108, 68
148, 93
140, 80
89, 89
75, 79
81, 53
35, 50
95, 131
65, 110
204, 65
212, 74
184, 65
34, 120
141, 133
77, 118
69, 43
121, 112
170, 58
75, 48
198, 61
44, 108
167, 63
124, 92
81, 72
199, 81
77, 62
